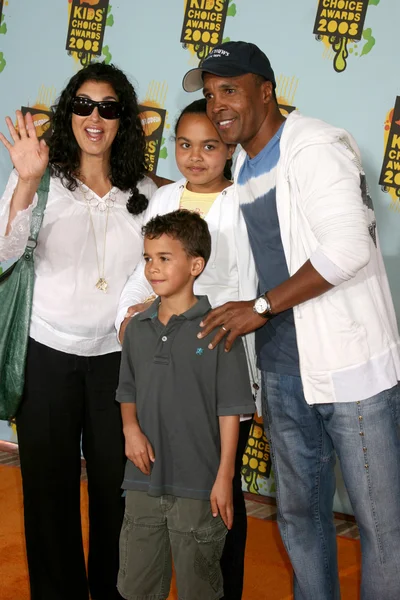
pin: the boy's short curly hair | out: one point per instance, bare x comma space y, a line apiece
183, 225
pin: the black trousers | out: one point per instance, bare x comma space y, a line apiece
68, 398
232, 561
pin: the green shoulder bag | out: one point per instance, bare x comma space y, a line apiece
16, 292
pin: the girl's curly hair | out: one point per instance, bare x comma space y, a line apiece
127, 162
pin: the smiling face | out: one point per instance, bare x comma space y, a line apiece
94, 134
201, 154
239, 108
168, 268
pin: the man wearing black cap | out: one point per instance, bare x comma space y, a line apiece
326, 332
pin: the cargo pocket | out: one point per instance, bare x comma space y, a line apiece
210, 544
126, 529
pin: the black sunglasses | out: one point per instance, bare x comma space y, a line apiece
83, 107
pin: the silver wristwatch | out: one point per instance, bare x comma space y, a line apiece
262, 307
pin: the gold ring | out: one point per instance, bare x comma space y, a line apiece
224, 328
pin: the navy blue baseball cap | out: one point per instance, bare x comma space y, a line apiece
231, 59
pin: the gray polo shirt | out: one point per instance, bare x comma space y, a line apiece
180, 388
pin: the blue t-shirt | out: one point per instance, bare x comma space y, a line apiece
276, 342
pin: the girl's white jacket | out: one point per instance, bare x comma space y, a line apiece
347, 338
230, 273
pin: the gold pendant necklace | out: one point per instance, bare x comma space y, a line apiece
101, 284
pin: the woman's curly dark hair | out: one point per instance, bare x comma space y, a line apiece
199, 107
127, 162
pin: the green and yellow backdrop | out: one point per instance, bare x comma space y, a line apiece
333, 59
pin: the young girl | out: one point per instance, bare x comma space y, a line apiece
206, 188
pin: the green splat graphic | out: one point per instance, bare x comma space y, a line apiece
3, 26
2, 62
273, 484
250, 478
343, 46
106, 49
163, 151
202, 50
86, 58
370, 41
231, 10
107, 55
339, 46
110, 18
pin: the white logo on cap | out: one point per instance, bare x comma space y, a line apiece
217, 53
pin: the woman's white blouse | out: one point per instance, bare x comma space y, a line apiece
69, 313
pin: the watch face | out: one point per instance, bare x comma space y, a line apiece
261, 305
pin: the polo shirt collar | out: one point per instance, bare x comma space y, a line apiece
197, 310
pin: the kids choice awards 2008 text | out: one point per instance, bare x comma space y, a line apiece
341, 18
204, 22
86, 27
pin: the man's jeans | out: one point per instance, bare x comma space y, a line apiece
366, 438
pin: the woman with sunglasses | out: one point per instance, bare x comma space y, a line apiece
89, 243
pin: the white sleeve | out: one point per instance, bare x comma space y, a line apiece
13, 244
136, 290
329, 185
147, 187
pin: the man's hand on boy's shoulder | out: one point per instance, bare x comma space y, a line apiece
233, 319
138, 448
221, 499
131, 312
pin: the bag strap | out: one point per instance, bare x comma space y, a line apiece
38, 211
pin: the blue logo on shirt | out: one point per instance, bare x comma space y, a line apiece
199, 351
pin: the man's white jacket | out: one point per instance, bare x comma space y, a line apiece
230, 272
347, 338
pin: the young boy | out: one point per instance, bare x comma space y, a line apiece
180, 412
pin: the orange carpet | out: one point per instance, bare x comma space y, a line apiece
267, 566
